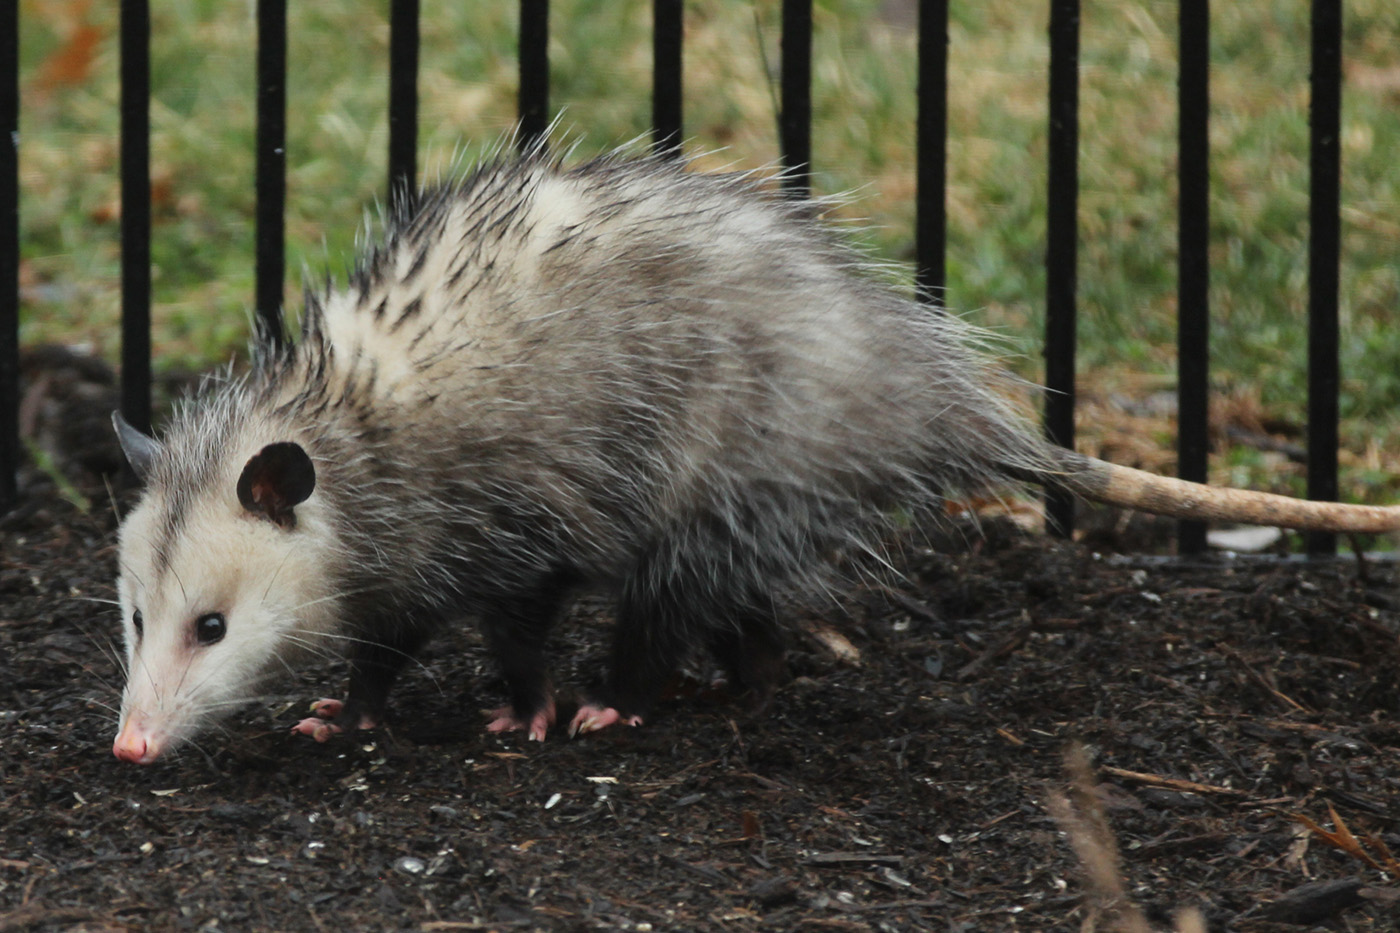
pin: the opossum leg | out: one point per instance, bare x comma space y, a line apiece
648, 643
752, 654
516, 630
658, 616
504, 719
748, 646
374, 666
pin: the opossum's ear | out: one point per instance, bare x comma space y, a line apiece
275, 479
141, 451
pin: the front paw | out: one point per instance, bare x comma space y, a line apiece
536, 726
331, 717
592, 718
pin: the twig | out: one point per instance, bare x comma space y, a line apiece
33, 916
1170, 783
1004, 647
1261, 681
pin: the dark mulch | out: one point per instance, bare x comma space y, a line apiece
910, 792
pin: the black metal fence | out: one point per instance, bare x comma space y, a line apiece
796, 146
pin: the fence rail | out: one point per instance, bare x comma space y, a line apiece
795, 121
1193, 255
136, 212
9, 255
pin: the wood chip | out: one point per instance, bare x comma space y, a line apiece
833, 641
1314, 902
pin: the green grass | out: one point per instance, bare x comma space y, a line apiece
864, 76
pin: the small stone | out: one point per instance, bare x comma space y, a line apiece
409, 865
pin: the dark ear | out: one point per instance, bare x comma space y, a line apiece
141, 451
277, 478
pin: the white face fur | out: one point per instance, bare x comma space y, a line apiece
213, 601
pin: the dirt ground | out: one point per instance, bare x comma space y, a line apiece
1222, 703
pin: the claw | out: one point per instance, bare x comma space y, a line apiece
590, 718
505, 720
318, 729
321, 726
327, 708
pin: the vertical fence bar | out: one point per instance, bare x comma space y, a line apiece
1324, 258
1061, 253
534, 71
931, 207
1193, 257
270, 232
9, 256
668, 26
795, 120
403, 98
135, 72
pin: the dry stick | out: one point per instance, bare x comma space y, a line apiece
32, 916
1261, 681
1003, 647
1158, 780
915, 608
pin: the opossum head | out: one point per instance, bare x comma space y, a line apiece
222, 582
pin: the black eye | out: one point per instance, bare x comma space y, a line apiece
209, 628
136, 622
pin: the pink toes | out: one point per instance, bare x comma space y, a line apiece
590, 718
327, 708
505, 720
318, 729
321, 726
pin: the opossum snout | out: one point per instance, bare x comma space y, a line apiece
136, 744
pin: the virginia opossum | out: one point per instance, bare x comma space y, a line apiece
677, 386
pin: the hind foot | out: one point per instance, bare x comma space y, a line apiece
592, 718
506, 720
325, 723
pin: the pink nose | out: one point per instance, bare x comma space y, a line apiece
131, 745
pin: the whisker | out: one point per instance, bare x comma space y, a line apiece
112, 498
232, 703
355, 640
96, 599
104, 644
101, 679
180, 583
344, 594
275, 573
312, 647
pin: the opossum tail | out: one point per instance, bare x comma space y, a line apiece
1109, 483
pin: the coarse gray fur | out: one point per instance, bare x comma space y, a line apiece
678, 386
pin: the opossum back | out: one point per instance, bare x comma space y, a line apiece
697, 314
